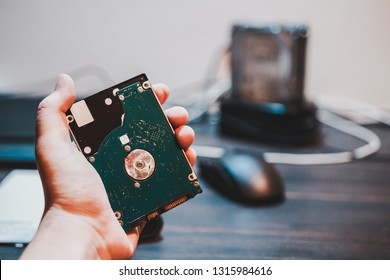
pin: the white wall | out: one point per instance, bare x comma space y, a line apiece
174, 41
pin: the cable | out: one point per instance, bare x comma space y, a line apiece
329, 119
216, 84
338, 123
343, 103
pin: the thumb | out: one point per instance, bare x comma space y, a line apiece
52, 129
63, 96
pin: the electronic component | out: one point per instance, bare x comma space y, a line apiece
125, 135
268, 63
267, 100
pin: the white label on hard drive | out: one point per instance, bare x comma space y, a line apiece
81, 113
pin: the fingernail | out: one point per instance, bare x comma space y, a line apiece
60, 81
141, 227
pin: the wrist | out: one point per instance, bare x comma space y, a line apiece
64, 235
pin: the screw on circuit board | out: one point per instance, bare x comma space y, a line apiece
118, 215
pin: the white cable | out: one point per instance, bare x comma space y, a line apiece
329, 119
211, 96
353, 129
343, 125
344, 103
308, 159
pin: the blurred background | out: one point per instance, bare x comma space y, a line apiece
339, 210
176, 42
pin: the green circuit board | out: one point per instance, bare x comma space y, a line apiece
125, 135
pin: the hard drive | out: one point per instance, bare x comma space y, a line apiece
124, 133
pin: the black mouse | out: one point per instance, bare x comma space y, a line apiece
243, 177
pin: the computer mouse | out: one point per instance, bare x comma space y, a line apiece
243, 177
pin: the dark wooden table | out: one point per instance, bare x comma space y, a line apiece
331, 212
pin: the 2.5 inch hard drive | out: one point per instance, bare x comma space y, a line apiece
124, 133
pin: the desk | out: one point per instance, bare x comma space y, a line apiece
331, 212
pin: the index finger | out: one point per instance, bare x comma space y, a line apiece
162, 92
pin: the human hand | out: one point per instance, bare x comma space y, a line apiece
78, 222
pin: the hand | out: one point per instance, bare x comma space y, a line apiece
78, 222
